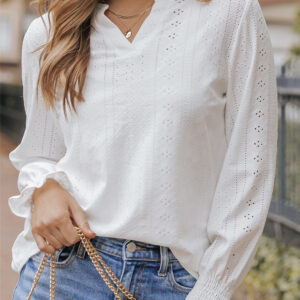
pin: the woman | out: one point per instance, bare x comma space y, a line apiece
167, 160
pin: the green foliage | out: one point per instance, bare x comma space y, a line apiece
296, 25
295, 49
275, 272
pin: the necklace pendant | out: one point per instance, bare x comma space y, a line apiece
128, 34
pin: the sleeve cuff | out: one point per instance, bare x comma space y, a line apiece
209, 288
21, 204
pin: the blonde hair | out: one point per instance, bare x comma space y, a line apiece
65, 57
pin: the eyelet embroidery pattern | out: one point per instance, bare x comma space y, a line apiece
260, 99
257, 158
261, 83
178, 11
172, 31
262, 68
262, 52
258, 143
258, 128
259, 113
256, 131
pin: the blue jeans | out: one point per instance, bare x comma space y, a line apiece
149, 272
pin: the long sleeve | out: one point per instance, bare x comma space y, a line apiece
42, 144
244, 188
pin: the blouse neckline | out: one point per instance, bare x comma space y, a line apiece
146, 34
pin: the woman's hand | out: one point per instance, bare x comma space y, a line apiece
55, 212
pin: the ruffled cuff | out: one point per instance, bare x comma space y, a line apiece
21, 204
209, 288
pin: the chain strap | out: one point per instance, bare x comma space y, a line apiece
95, 258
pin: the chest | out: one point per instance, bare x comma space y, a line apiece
175, 70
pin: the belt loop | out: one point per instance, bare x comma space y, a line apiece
81, 252
164, 261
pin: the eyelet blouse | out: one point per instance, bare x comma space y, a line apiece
176, 142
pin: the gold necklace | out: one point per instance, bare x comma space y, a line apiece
132, 16
128, 32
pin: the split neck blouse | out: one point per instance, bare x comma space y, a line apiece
175, 144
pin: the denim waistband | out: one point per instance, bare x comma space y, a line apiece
128, 249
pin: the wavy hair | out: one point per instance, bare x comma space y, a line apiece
65, 57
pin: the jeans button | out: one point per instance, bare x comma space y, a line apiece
131, 247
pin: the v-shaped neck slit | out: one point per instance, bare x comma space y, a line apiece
117, 28
113, 34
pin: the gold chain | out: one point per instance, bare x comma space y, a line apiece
132, 16
128, 32
95, 258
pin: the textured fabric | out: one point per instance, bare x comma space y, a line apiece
176, 143
146, 271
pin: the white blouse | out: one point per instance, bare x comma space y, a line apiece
176, 142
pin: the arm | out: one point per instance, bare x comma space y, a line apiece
42, 144
244, 188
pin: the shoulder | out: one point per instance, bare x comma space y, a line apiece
227, 14
241, 14
35, 36
239, 10
37, 33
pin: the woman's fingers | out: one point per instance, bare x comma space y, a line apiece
42, 244
52, 240
80, 219
69, 232
54, 211
59, 236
